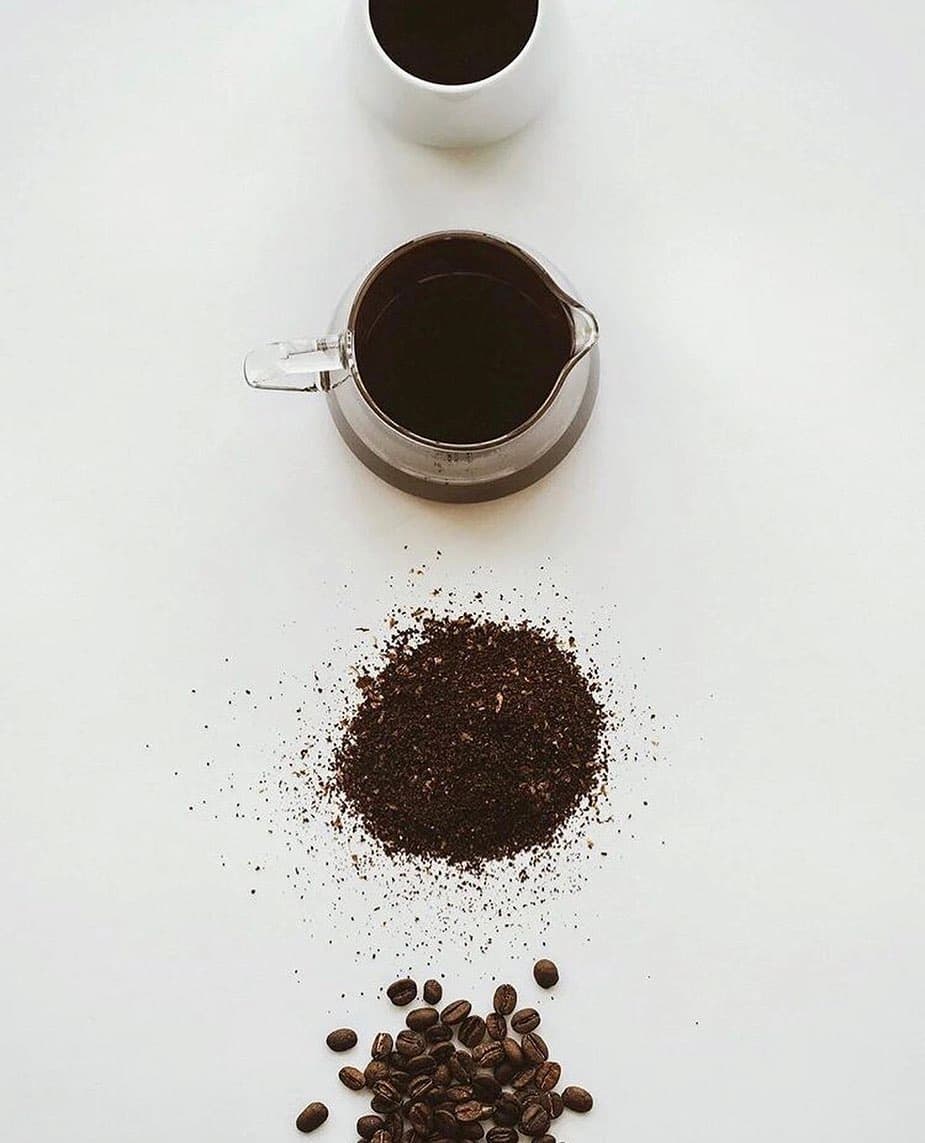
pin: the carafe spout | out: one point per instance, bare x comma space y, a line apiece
298, 366
587, 330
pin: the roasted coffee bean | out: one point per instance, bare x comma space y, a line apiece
433, 991
421, 1118
505, 999
395, 1124
472, 1031
438, 1034
459, 1093
376, 1070
409, 1044
577, 1099
548, 1075
507, 1111
387, 1094
534, 1121
526, 1020
443, 1076
469, 1112
541, 1099
419, 1086
422, 1065
534, 1048
505, 1072
496, 1026
436, 1097
489, 1054
513, 1052
445, 1123
471, 1131
502, 1135
381, 1106
523, 1079
463, 1067
401, 1080
402, 992
352, 1078
382, 1046
368, 1125
440, 1053
555, 1101
341, 1039
546, 1139
420, 1019
311, 1118
486, 1088
545, 974
456, 1012
382, 1137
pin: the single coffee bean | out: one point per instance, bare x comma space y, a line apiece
534, 1121
469, 1112
387, 1094
471, 1131
577, 1099
409, 1044
397, 1062
341, 1039
507, 1111
382, 1046
505, 1072
419, 1086
545, 974
513, 1052
463, 1067
381, 1106
505, 999
456, 1012
523, 1079
368, 1125
502, 1135
422, 1065
445, 1123
555, 1101
526, 1020
433, 991
311, 1118
443, 1076
488, 1054
382, 1137
486, 1088
376, 1070
402, 992
459, 1093
548, 1075
441, 1053
472, 1031
534, 1048
421, 1118
438, 1034
352, 1078
496, 1026
420, 1019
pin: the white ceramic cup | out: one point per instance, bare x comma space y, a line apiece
456, 115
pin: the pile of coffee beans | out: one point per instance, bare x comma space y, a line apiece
477, 740
452, 1075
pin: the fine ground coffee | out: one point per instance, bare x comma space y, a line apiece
457, 42
460, 341
477, 740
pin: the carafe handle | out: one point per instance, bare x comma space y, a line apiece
303, 365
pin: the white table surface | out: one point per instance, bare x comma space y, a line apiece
737, 189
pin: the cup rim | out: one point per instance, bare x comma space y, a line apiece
409, 434
454, 88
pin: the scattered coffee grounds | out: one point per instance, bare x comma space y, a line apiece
451, 1081
459, 340
476, 741
459, 42
545, 974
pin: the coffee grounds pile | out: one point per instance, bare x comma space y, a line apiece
476, 741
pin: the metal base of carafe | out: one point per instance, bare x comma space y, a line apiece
460, 493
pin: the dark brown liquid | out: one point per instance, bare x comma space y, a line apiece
453, 41
460, 340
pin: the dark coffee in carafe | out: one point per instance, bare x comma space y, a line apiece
453, 41
460, 341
